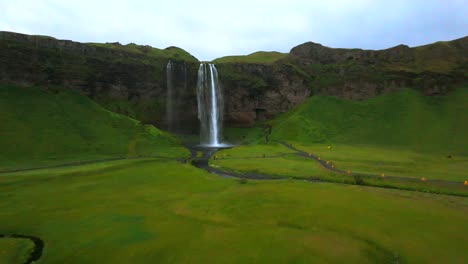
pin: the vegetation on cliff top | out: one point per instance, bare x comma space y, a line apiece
44, 127
260, 57
174, 53
439, 57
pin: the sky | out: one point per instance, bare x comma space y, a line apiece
211, 29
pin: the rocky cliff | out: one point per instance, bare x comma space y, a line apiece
254, 92
259, 90
131, 79
128, 79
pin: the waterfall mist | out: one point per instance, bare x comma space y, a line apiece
169, 97
210, 105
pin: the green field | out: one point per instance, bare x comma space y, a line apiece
290, 165
143, 209
364, 164
392, 161
15, 250
153, 210
273, 159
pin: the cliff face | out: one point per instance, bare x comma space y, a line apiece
360, 74
255, 91
127, 79
131, 79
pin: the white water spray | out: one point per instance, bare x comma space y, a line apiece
210, 105
169, 97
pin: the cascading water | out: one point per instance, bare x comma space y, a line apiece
169, 97
210, 105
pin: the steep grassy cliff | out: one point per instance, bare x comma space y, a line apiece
403, 119
42, 127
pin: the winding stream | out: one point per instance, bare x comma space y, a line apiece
38, 246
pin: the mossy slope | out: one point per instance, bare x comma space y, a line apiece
43, 127
406, 118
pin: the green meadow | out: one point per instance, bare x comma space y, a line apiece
393, 161
137, 203
15, 250
153, 210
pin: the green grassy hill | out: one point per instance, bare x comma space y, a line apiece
260, 57
43, 127
404, 119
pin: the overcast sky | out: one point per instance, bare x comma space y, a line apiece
211, 29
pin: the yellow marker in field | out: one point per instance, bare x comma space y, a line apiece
329, 147
382, 175
318, 158
423, 179
465, 183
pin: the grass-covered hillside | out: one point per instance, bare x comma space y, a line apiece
42, 127
260, 57
403, 119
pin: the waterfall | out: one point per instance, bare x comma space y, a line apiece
169, 97
210, 105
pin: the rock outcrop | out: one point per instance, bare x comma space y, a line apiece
254, 92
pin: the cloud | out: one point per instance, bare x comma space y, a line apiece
210, 29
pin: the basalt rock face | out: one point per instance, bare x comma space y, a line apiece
254, 92
128, 79
361, 74
131, 79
